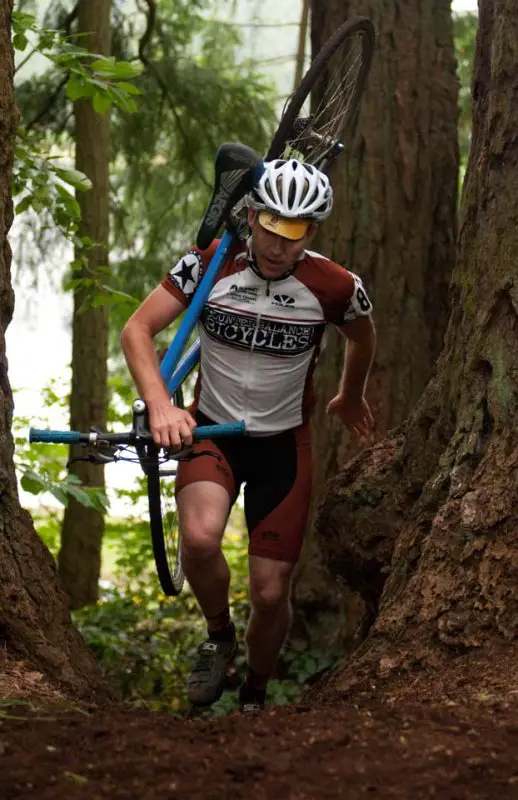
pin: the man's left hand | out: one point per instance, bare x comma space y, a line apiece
355, 415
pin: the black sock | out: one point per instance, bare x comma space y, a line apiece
226, 634
255, 680
250, 694
219, 621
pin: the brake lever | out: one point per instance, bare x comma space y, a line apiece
106, 455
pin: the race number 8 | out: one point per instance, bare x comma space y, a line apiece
361, 297
363, 300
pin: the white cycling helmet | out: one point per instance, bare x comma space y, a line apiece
292, 189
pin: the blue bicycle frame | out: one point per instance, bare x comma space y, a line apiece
172, 372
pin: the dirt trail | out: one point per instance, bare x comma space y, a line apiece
449, 735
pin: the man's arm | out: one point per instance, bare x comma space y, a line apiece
170, 426
350, 404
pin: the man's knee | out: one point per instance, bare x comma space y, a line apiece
202, 511
199, 544
201, 536
267, 596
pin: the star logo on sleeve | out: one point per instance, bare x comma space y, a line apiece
186, 273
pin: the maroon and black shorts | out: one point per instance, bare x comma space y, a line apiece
276, 472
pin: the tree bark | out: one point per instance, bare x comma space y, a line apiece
83, 528
433, 510
394, 224
34, 618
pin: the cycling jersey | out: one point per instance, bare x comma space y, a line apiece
260, 338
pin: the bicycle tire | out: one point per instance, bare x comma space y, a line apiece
357, 29
165, 536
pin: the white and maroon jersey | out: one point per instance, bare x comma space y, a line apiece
260, 338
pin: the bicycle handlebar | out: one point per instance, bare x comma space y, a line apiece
128, 437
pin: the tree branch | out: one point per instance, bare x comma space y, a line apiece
48, 105
155, 72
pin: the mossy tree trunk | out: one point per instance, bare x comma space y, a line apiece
83, 528
394, 224
425, 524
34, 619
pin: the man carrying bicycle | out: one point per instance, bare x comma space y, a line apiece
260, 332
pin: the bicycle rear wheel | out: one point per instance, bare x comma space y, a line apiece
163, 522
328, 96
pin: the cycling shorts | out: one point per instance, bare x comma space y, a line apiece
276, 472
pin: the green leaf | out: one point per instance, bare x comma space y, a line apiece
71, 478
69, 202
117, 296
22, 21
75, 88
20, 41
24, 204
103, 63
79, 494
75, 178
119, 70
124, 102
59, 494
99, 300
102, 103
129, 88
33, 483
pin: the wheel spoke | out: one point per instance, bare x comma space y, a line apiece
333, 98
329, 95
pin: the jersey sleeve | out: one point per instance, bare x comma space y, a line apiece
358, 304
345, 298
340, 292
183, 278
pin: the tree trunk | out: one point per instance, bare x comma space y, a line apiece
34, 619
394, 224
82, 532
426, 522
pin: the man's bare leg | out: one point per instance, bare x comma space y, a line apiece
269, 622
203, 509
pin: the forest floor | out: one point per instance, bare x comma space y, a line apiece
428, 734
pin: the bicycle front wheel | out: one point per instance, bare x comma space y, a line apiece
321, 113
163, 521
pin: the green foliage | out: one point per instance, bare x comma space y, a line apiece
41, 468
68, 486
93, 283
41, 181
87, 75
100, 78
465, 33
44, 186
146, 643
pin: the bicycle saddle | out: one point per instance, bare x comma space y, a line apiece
237, 168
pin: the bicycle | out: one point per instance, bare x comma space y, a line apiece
334, 84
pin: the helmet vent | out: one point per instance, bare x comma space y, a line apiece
293, 189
